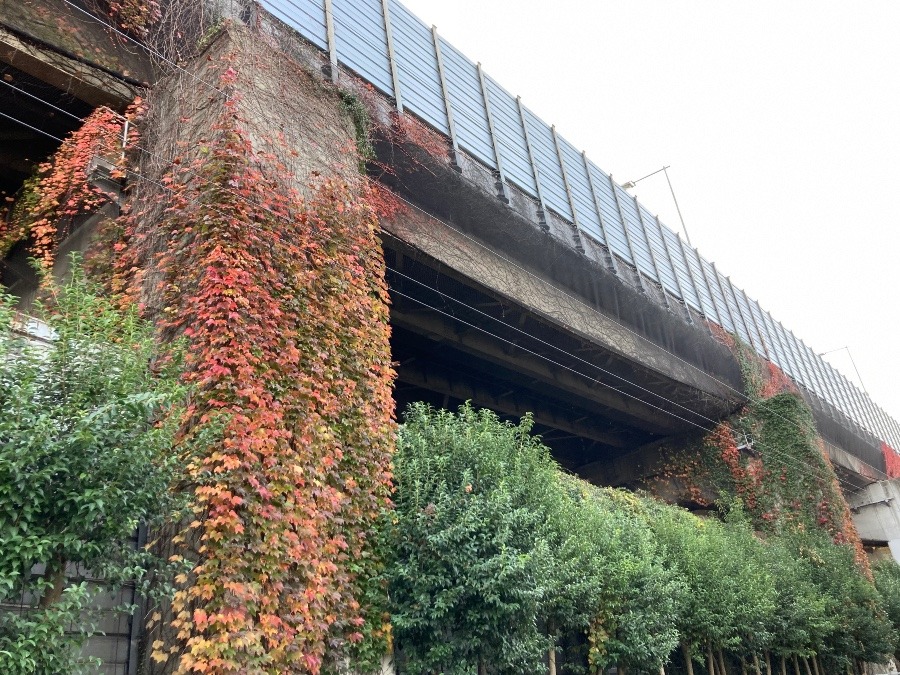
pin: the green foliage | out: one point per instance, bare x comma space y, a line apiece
469, 573
861, 630
497, 555
362, 123
731, 594
612, 578
887, 581
86, 428
804, 616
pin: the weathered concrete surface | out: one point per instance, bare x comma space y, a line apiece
493, 269
876, 513
56, 43
537, 261
295, 124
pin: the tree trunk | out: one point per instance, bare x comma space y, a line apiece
756, 665
723, 667
710, 661
551, 660
783, 665
662, 669
482, 669
56, 575
806, 666
743, 665
768, 663
688, 662
796, 665
815, 665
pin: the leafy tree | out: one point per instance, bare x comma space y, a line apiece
87, 421
804, 616
497, 555
731, 593
861, 630
612, 581
469, 573
887, 581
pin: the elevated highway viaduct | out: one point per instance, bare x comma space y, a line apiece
497, 297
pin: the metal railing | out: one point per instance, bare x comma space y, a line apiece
389, 47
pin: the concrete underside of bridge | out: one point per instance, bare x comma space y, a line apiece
493, 300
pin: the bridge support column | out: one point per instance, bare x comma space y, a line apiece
876, 514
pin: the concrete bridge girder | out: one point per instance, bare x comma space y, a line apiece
555, 276
876, 514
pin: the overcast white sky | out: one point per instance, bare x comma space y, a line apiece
781, 123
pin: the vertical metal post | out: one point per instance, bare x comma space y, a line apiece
889, 429
824, 391
681, 296
694, 280
576, 226
837, 381
759, 331
709, 290
791, 367
781, 359
871, 416
542, 205
499, 174
810, 364
803, 361
802, 374
332, 44
600, 218
874, 416
448, 107
883, 425
857, 407
653, 260
893, 438
724, 297
634, 261
395, 73
742, 317
828, 388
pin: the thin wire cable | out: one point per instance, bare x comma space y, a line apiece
625, 380
712, 421
784, 458
177, 66
40, 100
25, 124
279, 217
545, 358
800, 465
144, 46
555, 347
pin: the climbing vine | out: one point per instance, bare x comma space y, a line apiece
769, 457
61, 189
284, 308
891, 460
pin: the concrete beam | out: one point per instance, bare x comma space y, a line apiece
519, 404
480, 263
476, 343
89, 84
876, 512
